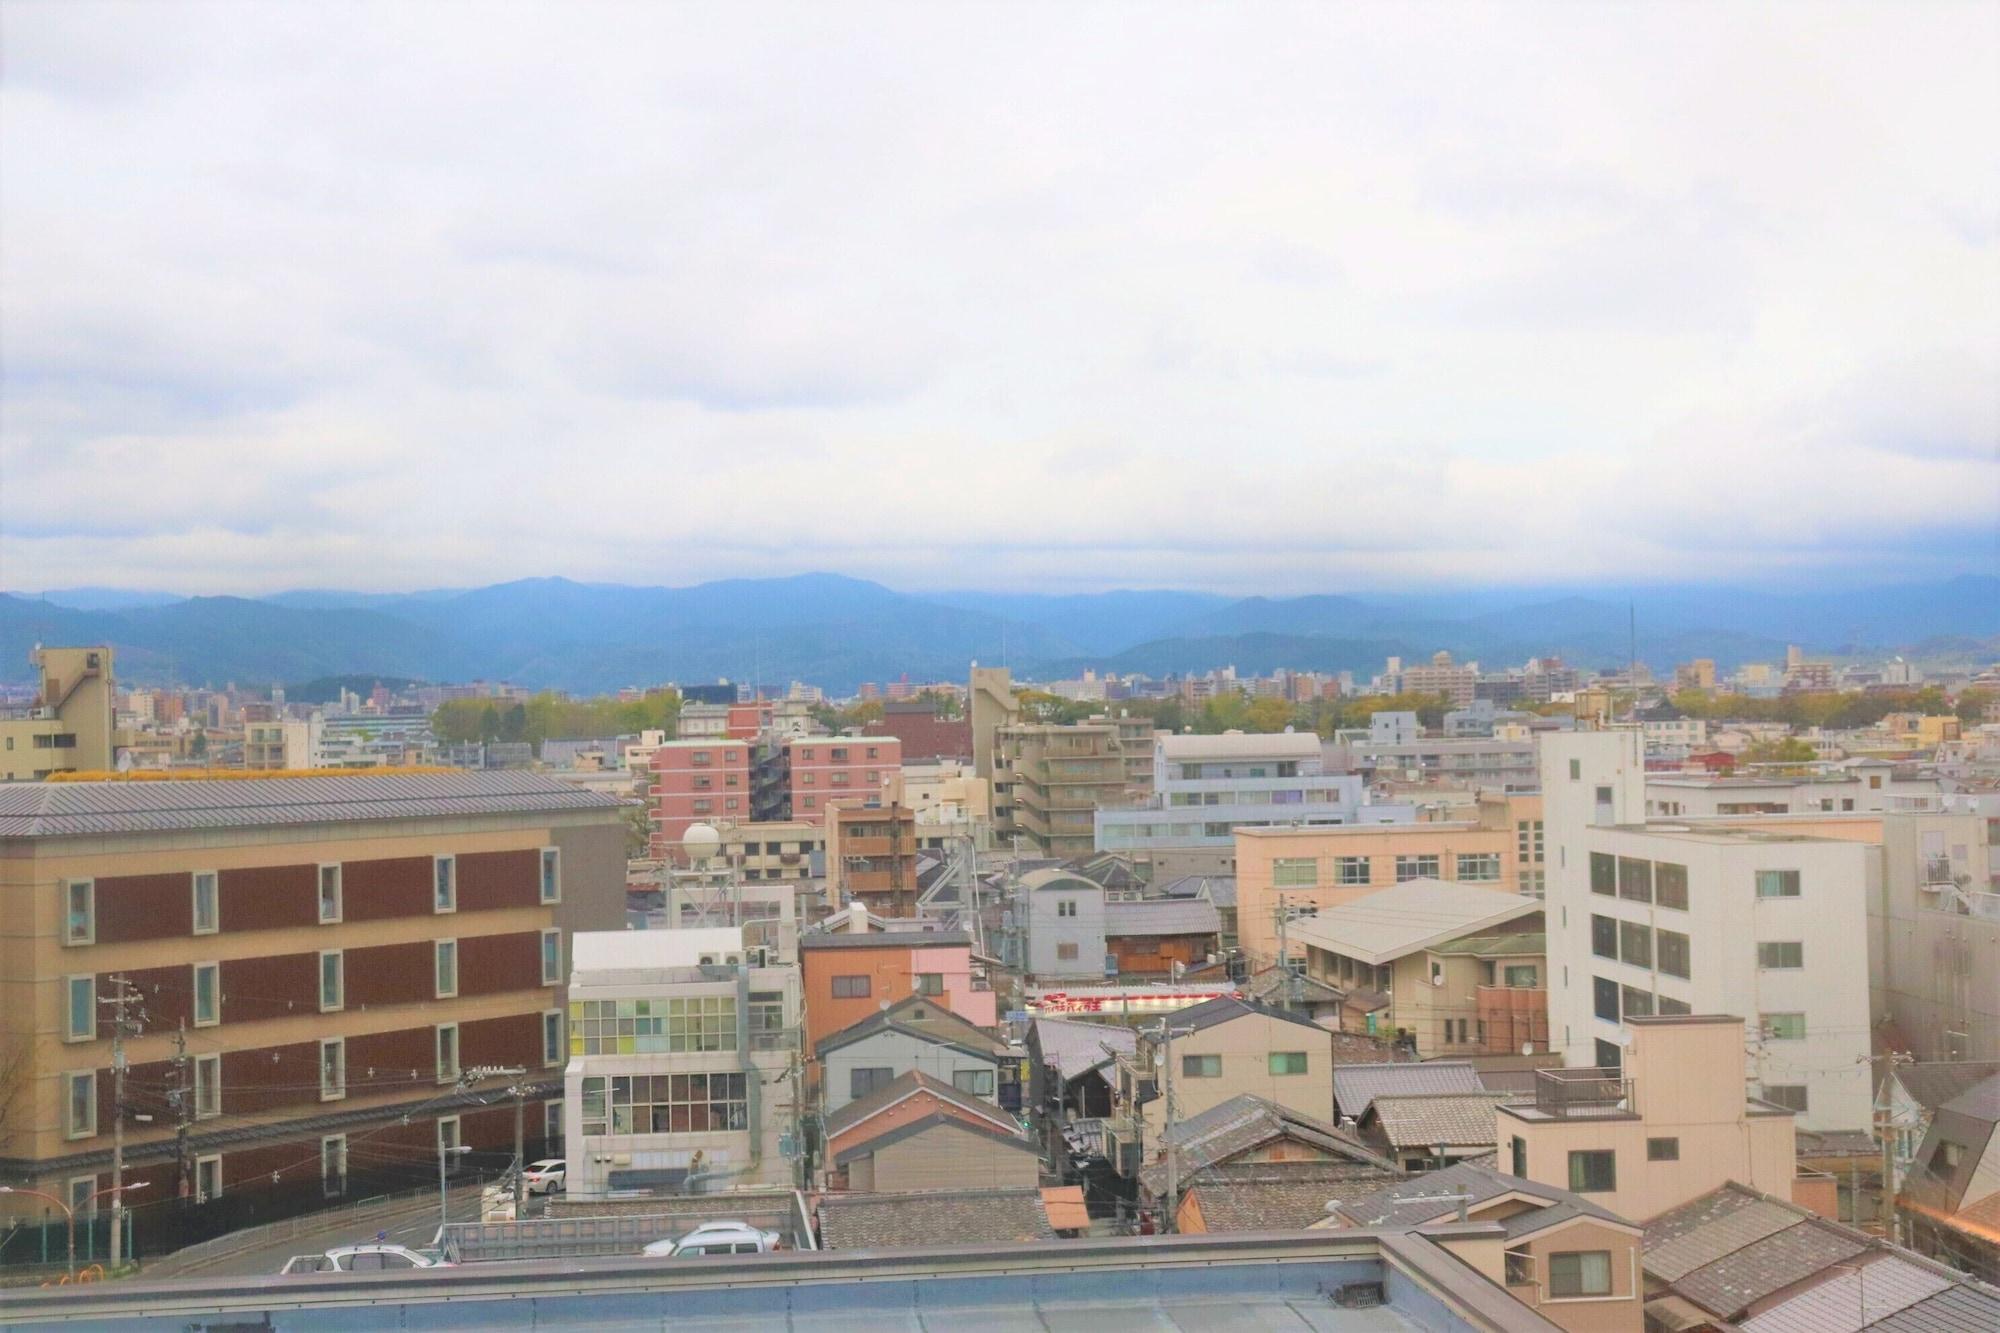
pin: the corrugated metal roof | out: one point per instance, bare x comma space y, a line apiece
71, 809
1852, 1299
1356, 1086
1162, 916
1404, 918
1077, 1048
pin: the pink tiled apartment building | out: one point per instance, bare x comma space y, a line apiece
697, 782
851, 769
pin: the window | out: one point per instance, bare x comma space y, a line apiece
82, 1119
850, 988
1604, 936
1201, 1066
1528, 841
930, 983
1288, 1062
1066, 952
1594, 1171
551, 875
698, 1023
1670, 885
1437, 972
1777, 884
1635, 943
207, 994
1672, 947
1783, 955
1669, 1006
80, 1007
1785, 1027
80, 926
1609, 1054
1416, 867
1351, 869
1637, 1003
1066, 907
332, 980
1295, 872
444, 875
1522, 976
552, 1122
1580, 1273
1791, 1096
445, 968
1663, 1150
332, 1069
978, 1082
1604, 874
552, 1038
867, 1078
552, 958
450, 1133
329, 895
1520, 1270
207, 1178
1479, 867
447, 1052
202, 886
1576, 770
1518, 1157
1604, 998
333, 1165
1635, 879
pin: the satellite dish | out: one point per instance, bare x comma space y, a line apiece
700, 843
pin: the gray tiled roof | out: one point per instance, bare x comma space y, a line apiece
860, 1109
1076, 1048
1209, 1013
1932, 1084
1748, 1275
1356, 1086
1220, 889
1852, 1299
1482, 1181
69, 809
1970, 1305
1451, 1119
1162, 916
938, 1217
1242, 1123
1279, 1196
1734, 1222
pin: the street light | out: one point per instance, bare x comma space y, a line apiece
69, 1210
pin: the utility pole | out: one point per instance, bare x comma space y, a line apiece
1164, 1033
520, 1092
123, 1024
180, 1099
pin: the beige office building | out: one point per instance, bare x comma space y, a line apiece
69, 728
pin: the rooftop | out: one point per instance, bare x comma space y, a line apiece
1415, 1202
1240, 745
1245, 1121
887, 939
1356, 1086
1162, 916
1077, 1048
965, 1217
1451, 1120
909, 1085
1410, 917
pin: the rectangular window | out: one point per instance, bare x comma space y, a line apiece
329, 895
81, 1122
1288, 1062
206, 918
1295, 872
552, 1124
1777, 884
862, 1081
1480, 867
1604, 874
1580, 1273
333, 1165
1785, 1027
1791, 1096
1635, 879
552, 1038
850, 988
1066, 907
1604, 936
1604, 998
447, 1052
1066, 952
1609, 1054
1672, 947
1635, 943
1416, 867
1518, 1158
1593, 1172
207, 1178
1351, 869
978, 1082
445, 968
552, 958
80, 924
1670, 885
1201, 1066
332, 980
1663, 1150
80, 1008
450, 1133
1576, 770
332, 1069
207, 1086
207, 994
1784, 955
551, 875
1638, 1003
444, 879
653, 1027
1669, 1007
930, 983
1522, 976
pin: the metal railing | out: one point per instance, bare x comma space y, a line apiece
1565, 1092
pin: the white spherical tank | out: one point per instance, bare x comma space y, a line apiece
700, 843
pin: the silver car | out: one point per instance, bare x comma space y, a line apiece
716, 1238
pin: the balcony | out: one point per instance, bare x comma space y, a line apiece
1937, 870
1582, 1092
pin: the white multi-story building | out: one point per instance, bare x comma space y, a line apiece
1677, 917
684, 1067
1863, 786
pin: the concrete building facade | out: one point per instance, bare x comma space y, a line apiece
696, 782
69, 727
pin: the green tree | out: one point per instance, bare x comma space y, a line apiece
1790, 750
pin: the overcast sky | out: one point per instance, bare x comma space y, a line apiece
1256, 299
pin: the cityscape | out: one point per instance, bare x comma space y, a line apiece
1327, 668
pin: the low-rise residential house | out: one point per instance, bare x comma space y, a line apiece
1271, 1196
684, 1063
1250, 1130
1431, 1130
1010, 1216
1290, 988
1462, 966
1071, 1066
918, 1034
1158, 936
1949, 1205
1909, 1099
1064, 913
1356, 1086
1218, 889
851, 972
917, 1133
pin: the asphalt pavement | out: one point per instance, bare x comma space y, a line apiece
413, 1222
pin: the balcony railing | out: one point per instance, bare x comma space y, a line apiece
1937, 870
1566, 1092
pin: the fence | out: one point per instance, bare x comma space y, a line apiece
46, 1244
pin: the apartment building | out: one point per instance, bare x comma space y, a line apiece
1677, 918
319, 963
1440, 675
1502, 762
1863, 787
685, 1069
1935, 991
871, 857
852, 975
789, 849
68, 729
695, 782
823, 770
1307, 869
1050, 782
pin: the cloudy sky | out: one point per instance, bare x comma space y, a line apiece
1250, 298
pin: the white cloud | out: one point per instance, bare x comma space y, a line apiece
1256, 298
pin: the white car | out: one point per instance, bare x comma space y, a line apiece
363, 1259
544, 1177
716, 1238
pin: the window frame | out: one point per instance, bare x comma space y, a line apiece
552, 933
71, 1129
214, 970
337, 1090
554, 1053
1289, 1058
1584, 1290
1286, 872
206, 1162
71, 939
1775, 1030
1201, 1066
875, 1076
214, 881
438, 1043
444, 884
1586, 1158
843, 987
333, 1184
439, 950
455, 1139
211, 1084
550, 868
1780, 966
340, 980
1663, 1148
1463, 862
927, 983
1782, 879
984, 1081
1353, 871
70, 1034
337, 882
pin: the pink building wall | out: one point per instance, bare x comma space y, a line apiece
828, 767
696, 782
955, 962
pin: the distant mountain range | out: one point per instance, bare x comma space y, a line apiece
837, 632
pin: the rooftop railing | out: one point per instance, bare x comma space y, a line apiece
1566, 1092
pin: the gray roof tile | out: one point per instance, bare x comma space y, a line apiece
1852, 1299
1243, 1122
1794, 1254
1279, 1196
1970, 1305
1161, 916
1356, 1086
1450, 1119
1732, 1228
937, 1217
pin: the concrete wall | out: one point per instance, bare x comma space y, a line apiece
899, 1053
1048, 930
948, 1157
1245, 1045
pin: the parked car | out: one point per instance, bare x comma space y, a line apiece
716, 1238
544, 1177
364, 1259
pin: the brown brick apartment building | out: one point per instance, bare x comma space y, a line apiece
317, 963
